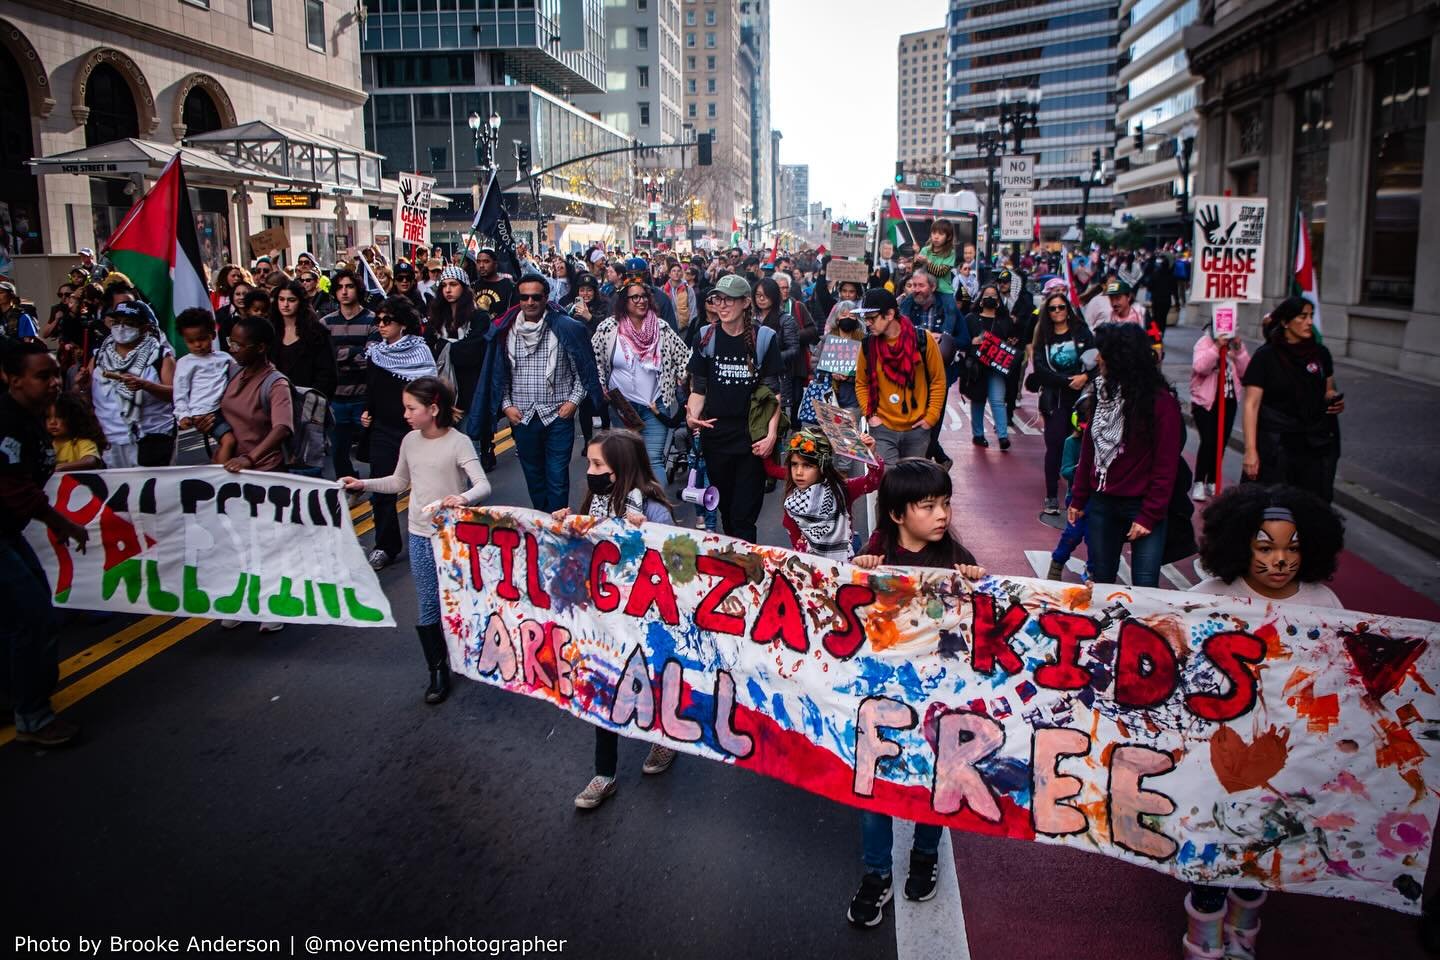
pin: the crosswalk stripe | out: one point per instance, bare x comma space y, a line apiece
936, 928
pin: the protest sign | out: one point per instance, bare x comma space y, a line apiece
1222, 319
1229, 248
996, 353
841, 271
274, 238
839, 428
415, 208
1213, 739
1017, 217
839, 355
847, 243
204, 542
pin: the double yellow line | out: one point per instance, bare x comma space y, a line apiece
72, 693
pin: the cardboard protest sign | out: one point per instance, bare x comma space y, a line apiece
839, 355
1213, 739
414, 223
849, 244
1229, 248
996, 353
840, 429
842, 271
273, 238
204, 542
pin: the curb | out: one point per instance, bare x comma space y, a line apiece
1389, 516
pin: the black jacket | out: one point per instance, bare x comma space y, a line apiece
1056, 394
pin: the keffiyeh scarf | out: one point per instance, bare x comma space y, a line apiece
1107, 429
600, 505
136, 362
408, 358
823, 520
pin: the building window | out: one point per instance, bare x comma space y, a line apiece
690, 110
644, 113
710, 110
690, 86
642, 38
709, 84
710, 18
1397, 165
709, 63
690, 40
642, 75
642, 4
315, 24
710, 39
261, 14
689, 18
1313, 122
689, 63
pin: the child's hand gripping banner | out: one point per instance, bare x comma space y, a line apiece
203, 542
1213, 739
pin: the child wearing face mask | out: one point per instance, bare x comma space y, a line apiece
818, 499
619, 484
1265, 544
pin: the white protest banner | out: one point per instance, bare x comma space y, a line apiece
1229, 248
849, 244
1017, 175
204, 542
1213, 739
853, 271
1017, 218
1222, 319
415, 209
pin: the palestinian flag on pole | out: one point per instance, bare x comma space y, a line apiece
1303, 284
734, 232
1072, 288
897, 231
155, 246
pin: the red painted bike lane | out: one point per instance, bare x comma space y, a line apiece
1028, 901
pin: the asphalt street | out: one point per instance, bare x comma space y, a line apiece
294, 784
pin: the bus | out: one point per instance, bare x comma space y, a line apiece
921, 209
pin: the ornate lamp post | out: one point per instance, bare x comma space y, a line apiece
990, 145
654, 188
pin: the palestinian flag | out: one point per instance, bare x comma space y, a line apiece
1303, 284
155, 246
897, 231
734, 232
1072, 288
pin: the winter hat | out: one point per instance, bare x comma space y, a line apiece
456, 274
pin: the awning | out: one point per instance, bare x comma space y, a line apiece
303, 157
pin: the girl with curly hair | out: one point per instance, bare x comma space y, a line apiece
1128, 457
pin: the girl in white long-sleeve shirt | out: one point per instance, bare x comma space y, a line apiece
436, 463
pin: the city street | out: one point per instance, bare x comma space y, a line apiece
293, 784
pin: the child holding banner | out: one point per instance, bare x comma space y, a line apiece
818, 499
1262, 544
620, 483
435, 463
912, 529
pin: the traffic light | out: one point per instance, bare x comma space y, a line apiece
705, 150
1139, 137
899, 171
1180, 206
522, 158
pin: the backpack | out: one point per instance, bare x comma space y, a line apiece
309, 440
764, 336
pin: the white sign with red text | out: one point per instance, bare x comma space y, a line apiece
1229, 248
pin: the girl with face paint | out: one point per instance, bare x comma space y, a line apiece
1264, 544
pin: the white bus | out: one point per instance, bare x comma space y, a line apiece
922, 209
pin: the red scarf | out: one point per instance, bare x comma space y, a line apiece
897, 358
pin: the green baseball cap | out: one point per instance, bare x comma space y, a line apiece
733, 286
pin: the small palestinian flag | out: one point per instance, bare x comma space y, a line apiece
897, 231
156, 247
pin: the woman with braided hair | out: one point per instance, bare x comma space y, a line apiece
734, 360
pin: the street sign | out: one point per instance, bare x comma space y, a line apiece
847, 243
1017, 217
929, 183
1229, 249
1017, 175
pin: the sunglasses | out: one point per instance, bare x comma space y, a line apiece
1058, 308
382, 320
530, 297
307, 279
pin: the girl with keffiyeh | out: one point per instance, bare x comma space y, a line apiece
818, 498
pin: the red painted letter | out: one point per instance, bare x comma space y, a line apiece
605, 594
1231, 653
780, 616
1145, 669
842, 644
991, 640
652, 585
707, 614
1068, 629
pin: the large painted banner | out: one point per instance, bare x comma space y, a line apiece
203, 542
1209, 738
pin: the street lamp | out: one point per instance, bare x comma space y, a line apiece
989, 143
487, 135
654, 188
1019, 114
1095, 178
1184, 148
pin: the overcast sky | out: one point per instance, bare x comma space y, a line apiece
832, 91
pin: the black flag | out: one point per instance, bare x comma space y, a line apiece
492, 221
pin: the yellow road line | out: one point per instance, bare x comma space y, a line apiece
97, 652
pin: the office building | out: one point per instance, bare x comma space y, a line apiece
642, 97
428, 71
101, 92
1334, 120
755, 48
1156, 97
920, 102
1067, 50
718, 80
794, 205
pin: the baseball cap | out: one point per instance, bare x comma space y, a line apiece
133, 311
732, 285
86, 252
1004, 276
636, 265
878, 300
1117, 287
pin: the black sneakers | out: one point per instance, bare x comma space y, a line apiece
924, 876
867, 909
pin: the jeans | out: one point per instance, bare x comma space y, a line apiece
995, 394
30, 632
1207, 425
1057, 429
607, 752
1110, 519
656, 435
587, 419
894, 445
877, 837
342, 435
544, 451
740, 478
384, 455
427, 584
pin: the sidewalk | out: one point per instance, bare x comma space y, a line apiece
1390, 442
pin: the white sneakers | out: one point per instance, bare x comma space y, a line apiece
1198, 494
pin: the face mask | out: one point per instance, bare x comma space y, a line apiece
848, 324
989, 302
600, 483
125, 334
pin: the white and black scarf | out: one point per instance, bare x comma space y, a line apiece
1107, 429
600, 505
823, 519
526, 340
141, 357
408, 358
